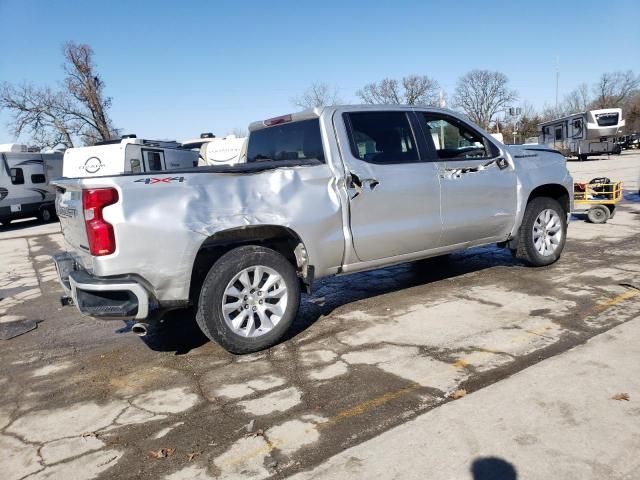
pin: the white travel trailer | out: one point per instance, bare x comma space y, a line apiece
585, 133
127, 155
24, 183
217, 150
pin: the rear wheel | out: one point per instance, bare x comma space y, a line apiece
543, 232
582, 157
249, 299
598, 214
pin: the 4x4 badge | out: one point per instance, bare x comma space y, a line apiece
152, 180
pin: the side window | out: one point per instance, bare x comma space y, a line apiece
382, 137
455, 141
38, 178
17, 176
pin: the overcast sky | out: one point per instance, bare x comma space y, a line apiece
175, 69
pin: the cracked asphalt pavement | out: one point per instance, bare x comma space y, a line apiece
82, 398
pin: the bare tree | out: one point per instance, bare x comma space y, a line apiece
614, 89
84, 84
239, 132
482, 94
78, 111
578, 100
319, 94
411, 90
632, 114
38, 111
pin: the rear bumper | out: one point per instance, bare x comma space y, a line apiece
105, 298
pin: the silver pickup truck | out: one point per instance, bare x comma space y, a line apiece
327, 191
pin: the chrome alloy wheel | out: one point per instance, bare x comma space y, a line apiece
254, 301
547, 232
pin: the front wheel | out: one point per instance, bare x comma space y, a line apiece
543, 232
249, 299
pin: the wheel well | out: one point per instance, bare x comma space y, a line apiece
281, 239
555, 191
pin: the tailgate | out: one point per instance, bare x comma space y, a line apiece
69, 210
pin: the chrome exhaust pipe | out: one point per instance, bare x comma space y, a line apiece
140, 329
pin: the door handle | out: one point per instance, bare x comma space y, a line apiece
358, 184
454, 173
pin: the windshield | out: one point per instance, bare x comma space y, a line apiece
290, 141
607, 119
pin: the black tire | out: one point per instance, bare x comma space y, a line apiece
527, 251
598, 214
582, 157
210, 317
45, 215
612, 211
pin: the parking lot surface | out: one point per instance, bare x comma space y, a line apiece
81, 398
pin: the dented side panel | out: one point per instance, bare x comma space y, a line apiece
160, 224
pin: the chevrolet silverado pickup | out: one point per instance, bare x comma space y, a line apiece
327, 191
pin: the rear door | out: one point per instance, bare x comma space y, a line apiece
394, 194
478, 184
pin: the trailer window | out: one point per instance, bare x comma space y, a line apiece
607, 119
38, 178
152, 160
558, 133
17, 176
289, 141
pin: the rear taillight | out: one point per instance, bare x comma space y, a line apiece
102, 241
277, 120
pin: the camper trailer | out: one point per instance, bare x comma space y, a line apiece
217, 150
24, 183
582, 134
127, 155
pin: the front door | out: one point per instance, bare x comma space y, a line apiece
478, 184
394, 193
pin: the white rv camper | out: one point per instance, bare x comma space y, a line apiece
24, 183
127, 155
217, 150
585, 133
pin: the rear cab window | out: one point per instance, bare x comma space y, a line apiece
299, 140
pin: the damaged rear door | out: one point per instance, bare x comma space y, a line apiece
394, 194
478, 183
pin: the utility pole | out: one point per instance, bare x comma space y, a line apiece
441, 103
557, 79
514, 113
